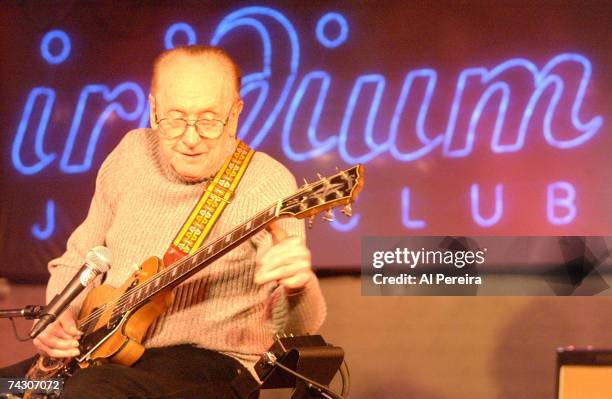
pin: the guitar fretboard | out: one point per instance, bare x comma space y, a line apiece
187, 266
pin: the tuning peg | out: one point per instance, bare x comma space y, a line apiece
319, 176
305, 182
310, 221
329, 216
347, 210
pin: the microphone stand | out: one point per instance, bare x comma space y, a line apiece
28, 312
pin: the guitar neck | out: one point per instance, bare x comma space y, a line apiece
184, 268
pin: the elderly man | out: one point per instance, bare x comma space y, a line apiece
223, 318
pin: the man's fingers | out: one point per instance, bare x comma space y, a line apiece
299, 281
277, 232
290, 247
282, 262
68, 324
58, 343
55, 352
282, 272
57, 330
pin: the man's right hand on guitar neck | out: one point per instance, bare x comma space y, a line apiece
60, 338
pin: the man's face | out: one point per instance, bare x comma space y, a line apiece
195, 88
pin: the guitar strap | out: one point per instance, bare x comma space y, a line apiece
207, 210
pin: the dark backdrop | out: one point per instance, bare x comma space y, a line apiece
472, 118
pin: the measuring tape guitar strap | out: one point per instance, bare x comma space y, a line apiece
206, 212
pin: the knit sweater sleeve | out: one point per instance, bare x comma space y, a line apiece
304, 312
89, 234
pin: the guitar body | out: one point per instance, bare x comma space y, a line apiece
123, 344
117, 342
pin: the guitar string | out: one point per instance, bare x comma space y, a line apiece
124, 298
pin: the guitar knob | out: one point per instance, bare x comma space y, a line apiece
310, 222
347, 210
329, 216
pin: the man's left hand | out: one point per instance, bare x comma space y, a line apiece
287, 262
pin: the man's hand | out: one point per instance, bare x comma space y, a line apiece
60, 338
287, 262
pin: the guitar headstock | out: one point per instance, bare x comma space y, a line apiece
325, 194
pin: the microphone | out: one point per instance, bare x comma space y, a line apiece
97, 261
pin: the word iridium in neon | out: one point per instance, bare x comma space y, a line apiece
548, 98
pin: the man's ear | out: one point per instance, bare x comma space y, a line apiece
236, 110
152, 109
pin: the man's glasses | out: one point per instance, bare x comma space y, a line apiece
173, 128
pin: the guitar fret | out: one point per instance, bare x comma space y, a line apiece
259, 220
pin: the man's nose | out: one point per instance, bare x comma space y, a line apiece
191, 137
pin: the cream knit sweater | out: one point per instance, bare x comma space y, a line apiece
137, 209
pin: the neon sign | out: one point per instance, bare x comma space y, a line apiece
496, 89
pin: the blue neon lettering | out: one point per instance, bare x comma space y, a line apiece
42, 233
377, 148
406, 221
260, 80
43, 159
475, 205
114, 106
564, 77
46, 42
560, 195
318, 147
427, 143
260, 119
323, 38
179, 27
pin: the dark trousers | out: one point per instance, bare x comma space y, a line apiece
182, 371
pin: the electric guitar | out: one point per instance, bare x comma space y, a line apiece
115, 320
